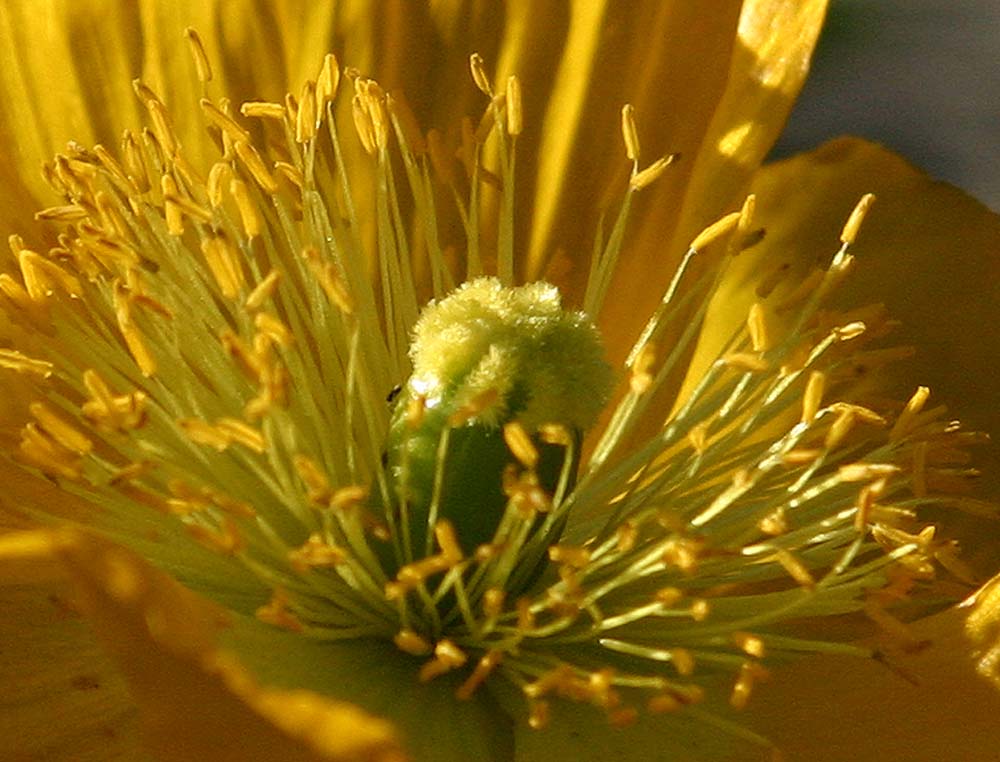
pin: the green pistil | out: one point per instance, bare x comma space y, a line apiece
483, 357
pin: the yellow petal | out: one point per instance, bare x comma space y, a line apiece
62, 698
926, 250
670, 60
65, 73
774, 42
829, 709
195, 702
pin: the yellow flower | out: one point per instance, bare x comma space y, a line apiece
205, 318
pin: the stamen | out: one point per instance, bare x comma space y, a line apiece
62, 432
306, 119
410, 642
813, 396
629, 132
277, 613
760, 336
263, 110
520, 444
607, 569
42, 277
328, 81
223, 262
719, 229
197, 50
479, 76
484, 667
256, 167
447, 656
652, 173
904, 423
515, 117
853, 224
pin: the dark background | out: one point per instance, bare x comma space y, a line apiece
919, 76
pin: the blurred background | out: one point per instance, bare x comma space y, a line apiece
919, 76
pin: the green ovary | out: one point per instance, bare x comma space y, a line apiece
483, 357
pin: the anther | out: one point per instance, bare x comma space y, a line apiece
721, 228
410, 642
640, 379
520, 444
629, 132
849, 331
447, 656
749, 674
66, 213
813, 396
774, 523
263, 291
652, 173
483, 668
363, 124
249, 213
263, 110
444, 533
795, 568
277, 613
329, 280
328, 80
515, 117
842, 425
750, 644
218, 177
224, 263
757, 327
226, 540
539, 714
256, 167
745, 361
493, 600
853, 224
224, 122
198, 55
863, 472
904, 423
62, 432
306, 118
42, 277
479, 76
576, 557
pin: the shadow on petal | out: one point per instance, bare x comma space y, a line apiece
195, 702
831, 709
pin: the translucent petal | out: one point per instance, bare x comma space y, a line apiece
195, 702
832, 709
62, 697
926, 250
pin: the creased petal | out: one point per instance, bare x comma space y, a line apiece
195, 702
774, 44
834, 708
670, 60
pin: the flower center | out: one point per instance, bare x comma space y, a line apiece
210, 350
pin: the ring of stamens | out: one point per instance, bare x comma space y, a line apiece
211, 359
